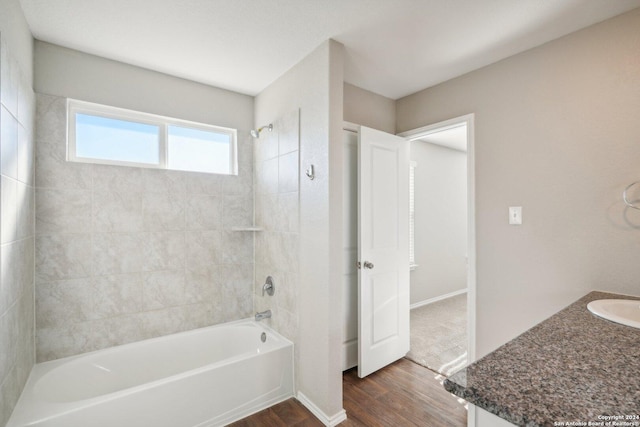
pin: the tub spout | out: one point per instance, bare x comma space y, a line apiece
263, 315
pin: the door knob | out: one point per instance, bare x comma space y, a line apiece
367, 264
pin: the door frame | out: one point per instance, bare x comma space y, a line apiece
349, 347
421, 132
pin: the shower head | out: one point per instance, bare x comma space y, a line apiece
256, 132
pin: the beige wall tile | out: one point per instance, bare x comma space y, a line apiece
288, 172
123, 329
26, 156
267, 176
204, 212
26, 265
63, 256
117, 212
65, 301
26, 334
51, 122
241, 185
163, 250
288, 207
266, 213
63, 211
237, 247
8, 209
8, 144
289, 134
9, 275
9, 339
9, 80
163, 181
26, 104
116, 253
17, 218
163, 211
117, 178
203, 286
10, 391
203, 250
237, 211
204, 183
26, 212
67, 340
154, 250
266, 147
53, 171
115, 295
161, 289
164, 321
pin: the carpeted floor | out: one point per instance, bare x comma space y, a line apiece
439, 335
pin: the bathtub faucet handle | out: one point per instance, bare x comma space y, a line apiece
269, 286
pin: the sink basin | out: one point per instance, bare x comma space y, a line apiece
623, 311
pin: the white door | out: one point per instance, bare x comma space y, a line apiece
383, 249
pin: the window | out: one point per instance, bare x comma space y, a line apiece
109, 135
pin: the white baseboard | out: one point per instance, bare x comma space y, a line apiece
329, 421
349, 354
436, 299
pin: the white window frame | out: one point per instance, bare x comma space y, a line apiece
75, 106
412, 215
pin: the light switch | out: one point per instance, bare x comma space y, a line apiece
515, 215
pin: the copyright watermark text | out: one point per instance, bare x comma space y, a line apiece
632, 420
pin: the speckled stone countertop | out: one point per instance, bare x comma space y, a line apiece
571, 369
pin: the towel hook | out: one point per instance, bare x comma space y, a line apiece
626, 199
311, 173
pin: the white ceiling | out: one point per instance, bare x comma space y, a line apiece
393, 47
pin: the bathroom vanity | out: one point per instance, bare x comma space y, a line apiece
569, 370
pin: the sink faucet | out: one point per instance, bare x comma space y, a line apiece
263, 315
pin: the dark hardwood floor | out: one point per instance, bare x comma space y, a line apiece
401, 394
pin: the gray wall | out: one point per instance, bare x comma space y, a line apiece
440, 221
126, 253
314, 86
557, 132
17, 105
369, 109
68, 73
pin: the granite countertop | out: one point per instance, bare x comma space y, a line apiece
570, 369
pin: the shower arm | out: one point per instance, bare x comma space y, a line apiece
256, 132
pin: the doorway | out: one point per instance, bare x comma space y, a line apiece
442, 245
350, 306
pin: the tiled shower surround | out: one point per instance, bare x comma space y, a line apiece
277, 211
124, 253
17, 105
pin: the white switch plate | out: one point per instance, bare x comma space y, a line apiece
515, 215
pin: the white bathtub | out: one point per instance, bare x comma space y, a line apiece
206, 377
